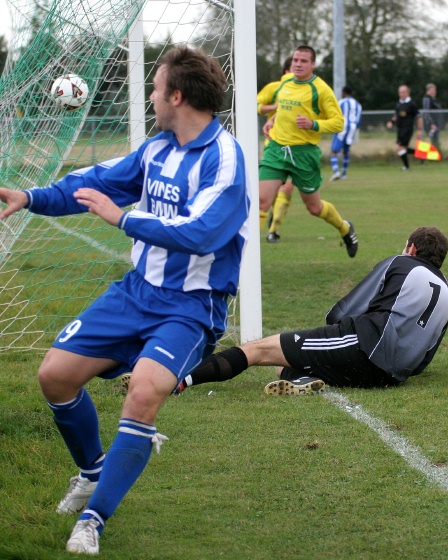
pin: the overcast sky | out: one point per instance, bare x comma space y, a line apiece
5, 20
172, 10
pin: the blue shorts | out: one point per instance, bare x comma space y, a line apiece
338, 145
134, 319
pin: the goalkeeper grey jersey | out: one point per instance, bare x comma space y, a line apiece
400, 313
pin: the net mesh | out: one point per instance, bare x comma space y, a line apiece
52, 268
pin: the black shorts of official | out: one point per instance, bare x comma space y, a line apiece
331, 353
404, 136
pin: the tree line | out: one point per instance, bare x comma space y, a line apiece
387, 43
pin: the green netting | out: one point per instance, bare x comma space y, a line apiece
74, 37
51, 269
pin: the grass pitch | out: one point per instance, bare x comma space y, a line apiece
245, 476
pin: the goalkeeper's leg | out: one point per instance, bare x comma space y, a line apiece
229, 363
221, 366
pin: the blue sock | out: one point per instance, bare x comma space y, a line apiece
88, 514
125, 461
345, 163
93, 473
334, 164
77, 422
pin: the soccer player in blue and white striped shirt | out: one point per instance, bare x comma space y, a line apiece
189, 229
342, 141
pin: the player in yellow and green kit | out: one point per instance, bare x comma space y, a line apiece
306, 108
267, 105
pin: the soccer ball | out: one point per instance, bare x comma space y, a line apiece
69, 92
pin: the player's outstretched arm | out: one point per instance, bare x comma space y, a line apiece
14, 200
99, 204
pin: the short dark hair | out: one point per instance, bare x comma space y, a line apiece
348, 90
198, 76
307, 48
287, 64
430, 244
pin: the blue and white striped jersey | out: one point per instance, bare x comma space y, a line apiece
190, 224
352, 112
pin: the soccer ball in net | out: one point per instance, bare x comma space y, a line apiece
69, 92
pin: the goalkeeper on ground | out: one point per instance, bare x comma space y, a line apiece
386, 329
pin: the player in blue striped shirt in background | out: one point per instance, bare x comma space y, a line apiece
342, 141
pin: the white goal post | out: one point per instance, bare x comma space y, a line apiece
51, 268
246, 132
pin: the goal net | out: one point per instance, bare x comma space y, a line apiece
52, 268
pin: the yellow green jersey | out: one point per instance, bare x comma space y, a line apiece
313, 99
268, 95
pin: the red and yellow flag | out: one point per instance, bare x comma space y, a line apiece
425, 150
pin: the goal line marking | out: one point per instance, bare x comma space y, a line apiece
411, 454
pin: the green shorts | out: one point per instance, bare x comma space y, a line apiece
301, 163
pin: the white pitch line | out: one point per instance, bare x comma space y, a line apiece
397, 443
102, 248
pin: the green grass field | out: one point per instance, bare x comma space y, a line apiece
245, 476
